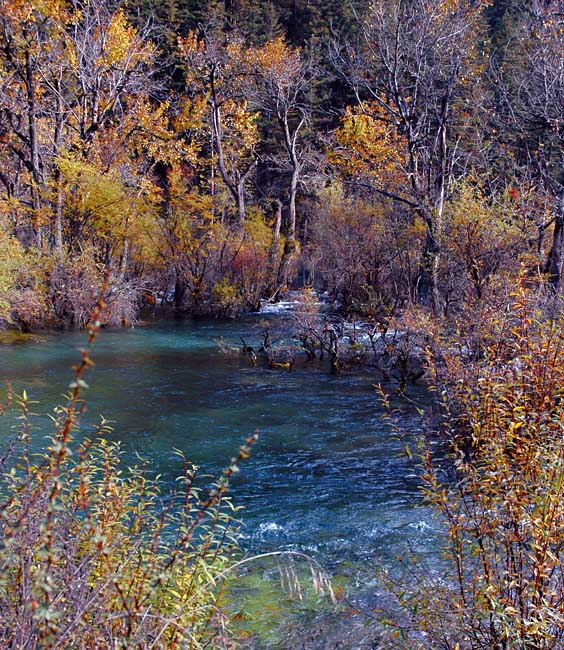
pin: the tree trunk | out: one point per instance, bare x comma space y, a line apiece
179, 293
427, 280
57, 139
290, 140
59, 214
33, 150
292, 203
428, 283
124, 260
285, 262
235, 185
553, 266
241, 210
273, 255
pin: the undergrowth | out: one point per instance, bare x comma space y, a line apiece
92, 556
499, 492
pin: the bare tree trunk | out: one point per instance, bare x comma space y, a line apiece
59, 214
441, 190
553, 266
290, 140
59, 119
428, 284
273, 255
292, 203
285, 262
124, 260
235, 186
34, 150
241, 210
426, 289
179, 292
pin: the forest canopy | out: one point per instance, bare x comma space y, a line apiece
212, 154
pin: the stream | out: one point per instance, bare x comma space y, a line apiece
327, 476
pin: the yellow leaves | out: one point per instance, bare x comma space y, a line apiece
29, 10
192, 113
155, 133
70, 50
55, 9
483, 234
368, 144
119, 45
243, 123
36, 25
18, 268
96, 195
451, 7
119, 37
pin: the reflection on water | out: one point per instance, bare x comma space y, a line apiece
327, 476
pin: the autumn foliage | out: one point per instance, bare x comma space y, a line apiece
200, 167
96, 556
497, 491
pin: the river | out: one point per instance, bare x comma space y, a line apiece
327, 476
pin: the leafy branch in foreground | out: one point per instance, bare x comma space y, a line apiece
93, 557
499, 493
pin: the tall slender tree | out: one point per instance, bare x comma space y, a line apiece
412, 65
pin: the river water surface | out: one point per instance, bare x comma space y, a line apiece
327, 476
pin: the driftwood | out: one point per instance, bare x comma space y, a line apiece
249, 351
397, 356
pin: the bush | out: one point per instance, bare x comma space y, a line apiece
499, 493
22, 285
92, 557
226, 298
75, 286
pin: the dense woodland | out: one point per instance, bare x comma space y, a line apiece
212, 154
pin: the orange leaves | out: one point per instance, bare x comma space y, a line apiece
276, 58
155, 131
210, 59
26, 11
368, 144
191, 44
503, 510
242, 123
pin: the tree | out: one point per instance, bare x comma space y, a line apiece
532, 109
67, 69
411, 68
30, 35
214, 64
283, 77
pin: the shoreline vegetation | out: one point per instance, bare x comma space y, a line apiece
208, 165
406, 160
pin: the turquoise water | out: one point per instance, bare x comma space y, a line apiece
327, 475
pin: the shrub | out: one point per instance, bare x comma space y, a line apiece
74, 288
499, 493
22, 284
226, 298
93, 557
